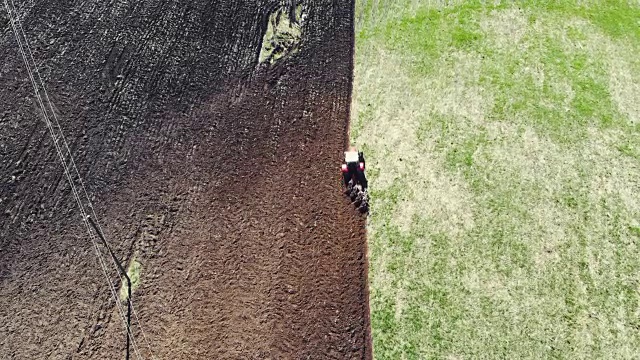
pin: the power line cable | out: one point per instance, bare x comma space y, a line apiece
21, 48
75, 169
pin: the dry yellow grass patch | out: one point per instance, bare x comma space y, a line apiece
430, 191
506, 27
613, 176
538, 168
624, 84
545, 174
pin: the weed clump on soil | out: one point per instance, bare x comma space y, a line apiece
133, 271
283, 34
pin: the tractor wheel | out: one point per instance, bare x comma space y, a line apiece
347, 183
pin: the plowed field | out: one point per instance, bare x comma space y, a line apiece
215, 172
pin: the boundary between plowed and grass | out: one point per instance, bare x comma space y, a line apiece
368, 341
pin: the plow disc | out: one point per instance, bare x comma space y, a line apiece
359, 197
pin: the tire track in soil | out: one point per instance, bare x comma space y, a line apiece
221, 174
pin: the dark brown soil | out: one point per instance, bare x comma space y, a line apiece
220, 173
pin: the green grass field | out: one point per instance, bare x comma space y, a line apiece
503, 149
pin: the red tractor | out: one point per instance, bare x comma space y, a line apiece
355, 182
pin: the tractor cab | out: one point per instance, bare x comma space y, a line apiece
351, 156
